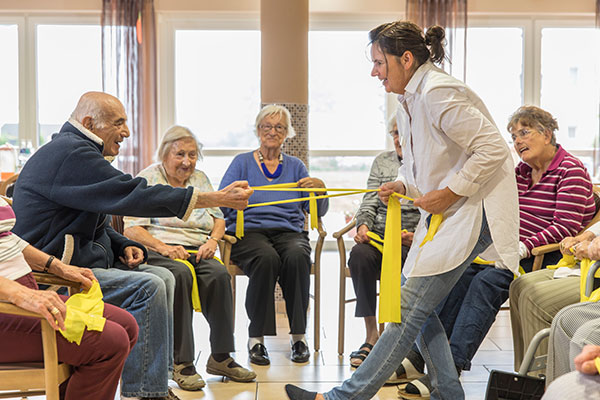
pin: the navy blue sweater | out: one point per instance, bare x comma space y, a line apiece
67, 190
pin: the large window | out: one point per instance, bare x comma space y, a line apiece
496, 75
347, 105
570, 86
217, 85
9, 82
69, 63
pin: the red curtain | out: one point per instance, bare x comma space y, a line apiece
129, 73
452, 16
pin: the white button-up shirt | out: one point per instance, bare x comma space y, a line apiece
451, 140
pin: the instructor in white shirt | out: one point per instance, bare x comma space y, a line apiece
455, 163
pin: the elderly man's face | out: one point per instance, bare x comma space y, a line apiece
113, 130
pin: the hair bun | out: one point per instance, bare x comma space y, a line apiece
434, 34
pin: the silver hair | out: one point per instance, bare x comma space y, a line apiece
391, 122
95, 105
275, 109
173, 134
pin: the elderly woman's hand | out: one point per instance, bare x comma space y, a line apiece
407, 238
387, 189
581, 250
567, 244
72, 273
173, 252
361, 234
44, 302
207, 250
309, 182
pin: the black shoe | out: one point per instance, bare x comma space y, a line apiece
258, 355
300, 353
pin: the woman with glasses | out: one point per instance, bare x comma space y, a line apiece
557, 196
193, 238
275, 247
365, 260
456, 164
555, 201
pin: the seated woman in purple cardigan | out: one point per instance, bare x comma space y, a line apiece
275, 246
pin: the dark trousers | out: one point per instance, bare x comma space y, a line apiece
365, 270
268, 256
97, 362
216, 299
470, 309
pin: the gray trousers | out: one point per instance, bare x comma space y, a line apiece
214, 286
535, 298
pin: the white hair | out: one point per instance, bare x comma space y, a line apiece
390, 127
281, 111
173, 134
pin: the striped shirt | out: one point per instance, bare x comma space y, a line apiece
559, 205
12, 263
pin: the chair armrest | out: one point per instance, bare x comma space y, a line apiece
589, 282
536, 251
229, 239
320, 229
345, 229
9, 308
53, 280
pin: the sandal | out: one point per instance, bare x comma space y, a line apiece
405, 373
360, 355
417, 389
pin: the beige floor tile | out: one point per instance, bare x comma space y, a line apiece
276, 391
216, 389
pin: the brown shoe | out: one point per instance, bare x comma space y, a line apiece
187, 378
230, 369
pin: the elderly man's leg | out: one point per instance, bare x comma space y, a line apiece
144, 295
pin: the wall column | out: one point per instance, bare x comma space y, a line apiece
284, 65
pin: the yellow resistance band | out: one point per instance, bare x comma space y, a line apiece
195, 294
391, 268
84, 309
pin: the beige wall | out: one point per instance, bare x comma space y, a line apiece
318, 6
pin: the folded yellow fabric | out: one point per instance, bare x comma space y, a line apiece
391, 265
84, 309
597, 362
434, 224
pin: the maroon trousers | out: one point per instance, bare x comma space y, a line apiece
97, 362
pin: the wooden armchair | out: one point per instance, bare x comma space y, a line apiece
540, 251
234, 270
35, 379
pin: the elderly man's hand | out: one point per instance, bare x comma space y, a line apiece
235, 195
207, 250
584, 362
387, 189
581, 250
173, 252
437, 201
567, 244
132, 256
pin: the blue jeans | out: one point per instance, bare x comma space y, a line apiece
144, 295
420, 296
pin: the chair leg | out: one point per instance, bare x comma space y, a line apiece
50, 361
317, 307
342, 313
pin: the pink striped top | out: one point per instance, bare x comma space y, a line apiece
559, 205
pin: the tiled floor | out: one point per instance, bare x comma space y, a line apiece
325, 368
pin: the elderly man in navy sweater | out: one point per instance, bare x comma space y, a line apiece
63, 201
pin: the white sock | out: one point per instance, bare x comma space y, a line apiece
252, 341
299, 338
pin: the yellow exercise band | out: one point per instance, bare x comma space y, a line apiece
195, 293
391, 265
84, 309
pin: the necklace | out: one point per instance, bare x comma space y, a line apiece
277, 172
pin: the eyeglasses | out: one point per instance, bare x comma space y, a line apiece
266, 128
521, 134
394, 132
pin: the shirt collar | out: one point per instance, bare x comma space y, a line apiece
415, 80
89, 134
